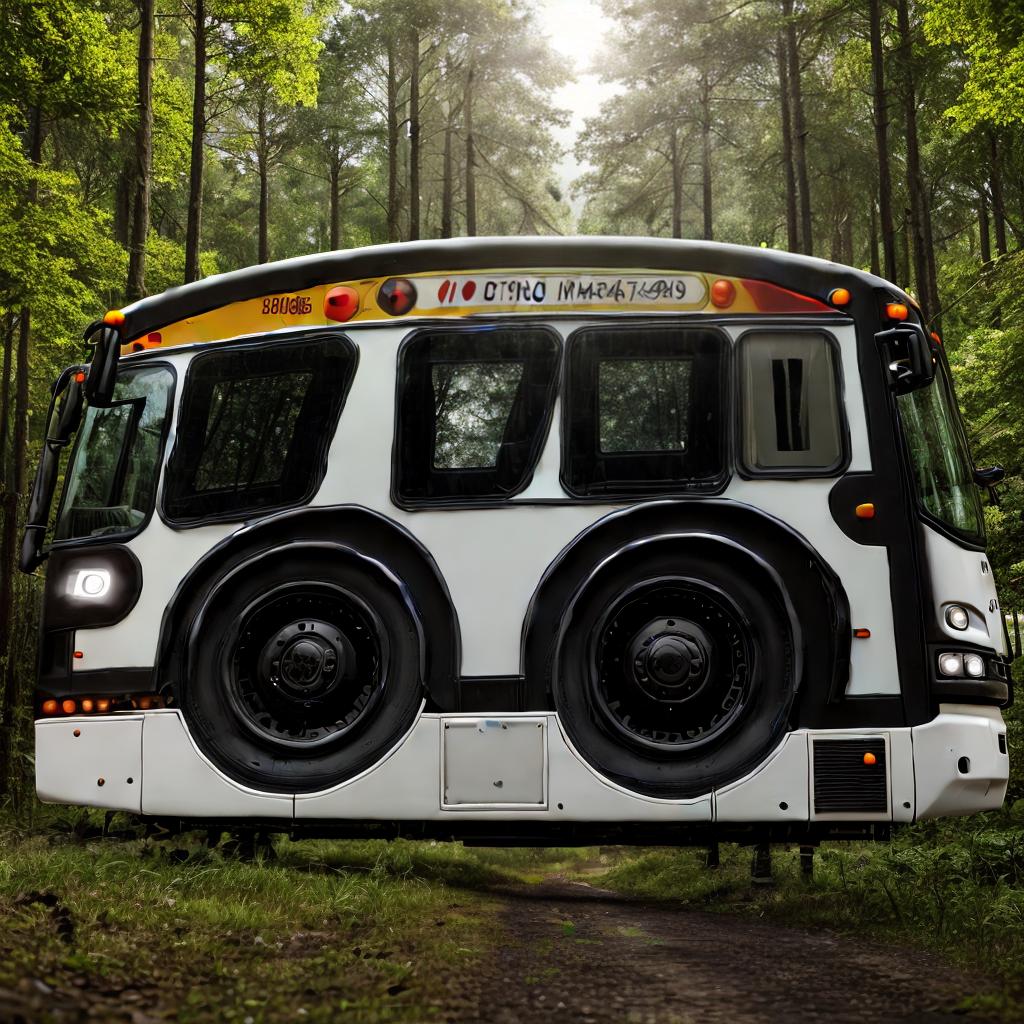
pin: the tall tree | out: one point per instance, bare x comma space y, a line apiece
143, 163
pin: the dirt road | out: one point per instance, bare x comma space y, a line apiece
580, 954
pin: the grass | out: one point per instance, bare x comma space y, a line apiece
319, 930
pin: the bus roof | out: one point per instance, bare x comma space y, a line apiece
804, 274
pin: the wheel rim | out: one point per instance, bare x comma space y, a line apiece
671, 665
306, 665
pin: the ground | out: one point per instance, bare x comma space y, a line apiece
134, 931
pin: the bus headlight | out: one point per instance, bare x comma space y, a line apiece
89, 583
957, 617
951, 664
974, 665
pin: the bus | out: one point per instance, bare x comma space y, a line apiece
519, 539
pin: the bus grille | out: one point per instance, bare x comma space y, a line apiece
843, 782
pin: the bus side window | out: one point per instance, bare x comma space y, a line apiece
791, 415
473, 412
254, 428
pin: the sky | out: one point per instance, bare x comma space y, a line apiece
576, 28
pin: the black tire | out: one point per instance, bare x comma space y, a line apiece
304, 669
676, 665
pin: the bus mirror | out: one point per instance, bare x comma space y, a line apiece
99, 384
908, 355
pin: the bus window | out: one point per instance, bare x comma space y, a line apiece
254, 428
791, 412
474, 407
112, 479
645, 410
941, 462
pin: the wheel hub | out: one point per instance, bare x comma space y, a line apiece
305, 660
669, 660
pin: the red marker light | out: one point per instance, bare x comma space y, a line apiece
79, 655
341, 304
723, 293
396, 296
154, 338
862, 634
79, 377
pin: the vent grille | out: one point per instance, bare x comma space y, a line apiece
844, 783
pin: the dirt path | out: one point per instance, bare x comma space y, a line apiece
576, 953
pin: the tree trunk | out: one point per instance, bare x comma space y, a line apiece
796, 102
984, 236
920, 228
881, 111
263, 166
335, 200
447, 186
392, 211
470, 157
876, 268
6, 481
677, 185
705, 155
996, 183
792, 228
193, 230
414, 137
123, 205
143, 165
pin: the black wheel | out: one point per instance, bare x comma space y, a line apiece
675, 666
304, 670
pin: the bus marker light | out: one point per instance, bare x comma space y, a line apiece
396, 296
935, 337
103, 706
341, 304
896, 311
77, 733
69, 707
49, 707
870, 758
79, 655
862, 634
840, 297
80, 377
155, 338
88, 705
772, 298
866, 510
723, 293
114, 318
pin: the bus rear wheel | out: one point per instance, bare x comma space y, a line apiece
304, 670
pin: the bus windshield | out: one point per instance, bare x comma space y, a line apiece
111, 482
942, 463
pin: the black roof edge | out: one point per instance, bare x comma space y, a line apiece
806, 274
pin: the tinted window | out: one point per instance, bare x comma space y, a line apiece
254, 427
942, 463
792, 418
473, 412
111, 483
645, 410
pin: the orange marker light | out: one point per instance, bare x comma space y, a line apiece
840, 297
114, 318
88, 705
80, 377
862, 633
69, 707
103, 706
866, 510
341, 304
936, 338
723, 293
870, 758
896, 311
49, 707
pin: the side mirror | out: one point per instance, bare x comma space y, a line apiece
908, 355
99, 384
988, 477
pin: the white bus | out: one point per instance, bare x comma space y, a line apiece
519, 539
